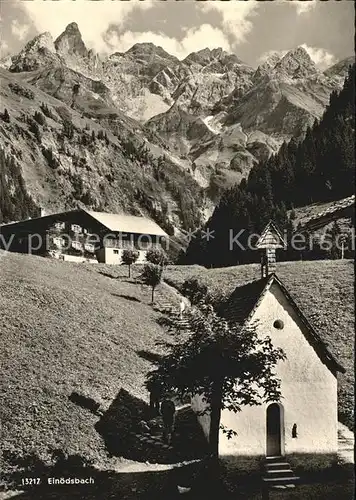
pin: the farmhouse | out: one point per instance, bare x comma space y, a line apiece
300, 429
320, 215
82, 235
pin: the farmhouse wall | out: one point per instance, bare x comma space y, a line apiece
110, 255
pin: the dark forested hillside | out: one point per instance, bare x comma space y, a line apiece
319, 168
15, 203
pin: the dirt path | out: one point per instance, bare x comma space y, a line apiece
176, 293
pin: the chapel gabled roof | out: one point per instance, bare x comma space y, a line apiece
244, 300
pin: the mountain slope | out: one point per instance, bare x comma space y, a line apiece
341, 68
68, 49
321, 167
130, 77
154, 80
274, 103
94, 157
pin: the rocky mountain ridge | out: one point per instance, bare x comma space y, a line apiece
143, 72
38, 52
210, 117
270, 105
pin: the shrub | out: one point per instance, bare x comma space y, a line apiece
76, 88
195, 290
102, 136
129, 257
47, 112
156, 256
50, 157
19, 90
84, 139
34, 129
78, 186
5, 116
39, 118
68, 129
152, 276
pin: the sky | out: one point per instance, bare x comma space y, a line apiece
252, 29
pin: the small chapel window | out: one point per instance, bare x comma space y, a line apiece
278, 324
294, 431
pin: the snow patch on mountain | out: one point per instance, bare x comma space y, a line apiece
212, 125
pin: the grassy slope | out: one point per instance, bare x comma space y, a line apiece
64, 328
324, 291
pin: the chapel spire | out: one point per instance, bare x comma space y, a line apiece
270, 239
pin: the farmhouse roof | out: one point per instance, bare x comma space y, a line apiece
332, 212
320, 214
112, 222
127, 223
245, 299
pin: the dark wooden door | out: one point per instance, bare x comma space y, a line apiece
273, 430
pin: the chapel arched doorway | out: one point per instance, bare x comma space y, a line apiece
274, 425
